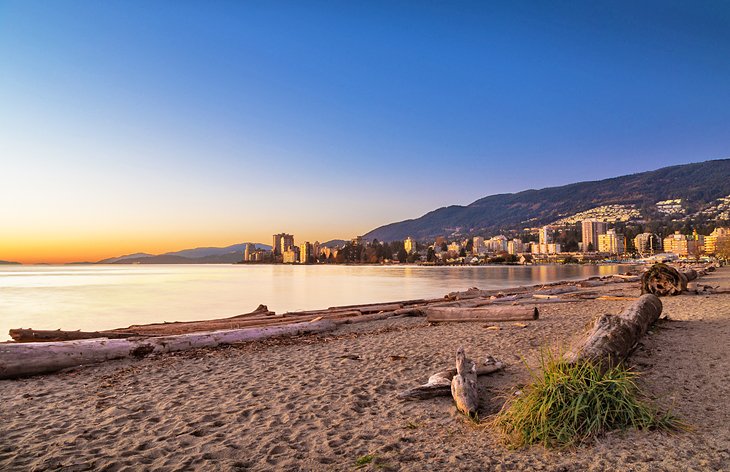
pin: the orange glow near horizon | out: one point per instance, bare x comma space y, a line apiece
92, 248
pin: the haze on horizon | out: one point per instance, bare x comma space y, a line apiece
153, 127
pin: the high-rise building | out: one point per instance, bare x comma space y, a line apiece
546, 235
647, 243
515, 246
496, 243
276, 244
248, 251
611, 242
281, 243
478, 245
305, 252
717, 238
591, 230
409, 245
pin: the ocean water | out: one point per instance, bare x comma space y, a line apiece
114, 296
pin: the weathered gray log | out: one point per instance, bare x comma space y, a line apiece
22, 359
439, 384
484, 313
612, 338
464, 384
27, 335
411, 311
378, 304
365, 318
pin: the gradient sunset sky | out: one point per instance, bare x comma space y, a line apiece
157, 126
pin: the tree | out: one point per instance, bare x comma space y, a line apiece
402, 255
590, 247
430, 254
722, 251
444, 246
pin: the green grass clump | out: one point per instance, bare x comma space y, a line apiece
569, 403
364, 460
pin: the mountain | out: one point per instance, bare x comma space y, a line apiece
698, 185
214, 251
114, 260
333, 243
9, 263
200, 255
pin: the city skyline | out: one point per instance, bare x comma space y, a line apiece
131, 126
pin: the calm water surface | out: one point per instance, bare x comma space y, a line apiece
114, 296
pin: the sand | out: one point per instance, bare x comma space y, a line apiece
321, 402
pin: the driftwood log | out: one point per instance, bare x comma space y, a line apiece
464, 384
484, 313
662, 280
40, 335
612, 338
439, 384
22, 359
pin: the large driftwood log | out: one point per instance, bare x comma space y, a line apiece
22, 359
439, 384
464, 384
484, 313
662, 280
40, 335
612, 338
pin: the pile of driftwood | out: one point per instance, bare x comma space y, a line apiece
609, 342
52, 350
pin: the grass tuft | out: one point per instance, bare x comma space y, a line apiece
364, 460
566, 404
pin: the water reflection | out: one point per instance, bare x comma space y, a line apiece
104, 297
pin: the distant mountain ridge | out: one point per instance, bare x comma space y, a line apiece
697, 184
200, 255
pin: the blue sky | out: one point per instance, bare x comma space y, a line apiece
163, 124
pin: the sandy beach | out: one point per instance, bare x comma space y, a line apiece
320, 402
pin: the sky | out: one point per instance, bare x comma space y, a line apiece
159, 126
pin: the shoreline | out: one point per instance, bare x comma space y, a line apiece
322, 401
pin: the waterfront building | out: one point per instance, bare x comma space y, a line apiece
409, 245
515, 246
611, 242
717, 238
248, 251
290, 256
546, 235
647, 243
315, 249
275, 245
281, 243
478, 246
591, 229
497, 244
681, 245
357, 241
554, 248
305, 252
550, 248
